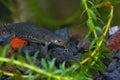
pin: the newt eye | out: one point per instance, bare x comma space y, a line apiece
55, 41
59, 42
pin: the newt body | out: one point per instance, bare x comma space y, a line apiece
32, 33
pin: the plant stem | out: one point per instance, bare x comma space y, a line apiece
33, 68
102, 38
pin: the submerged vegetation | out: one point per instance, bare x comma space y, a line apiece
91, 61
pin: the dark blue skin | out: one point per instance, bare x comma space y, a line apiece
5, 38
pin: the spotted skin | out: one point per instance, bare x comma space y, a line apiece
32, 33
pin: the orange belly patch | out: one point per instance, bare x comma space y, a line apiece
17, 43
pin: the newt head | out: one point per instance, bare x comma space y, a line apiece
59, 40
53, 39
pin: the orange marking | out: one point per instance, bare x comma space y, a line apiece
17, 43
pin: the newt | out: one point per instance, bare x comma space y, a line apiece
33, 33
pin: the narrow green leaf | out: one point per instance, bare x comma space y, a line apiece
62, 66
35, 56
20, 58
29, 59
4, 51
90, 2
88, 34
94, 41
28, 71
57, 71
44, 64
90, 24
51, 64
92, 14
11, 60
30, 78
98, 29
